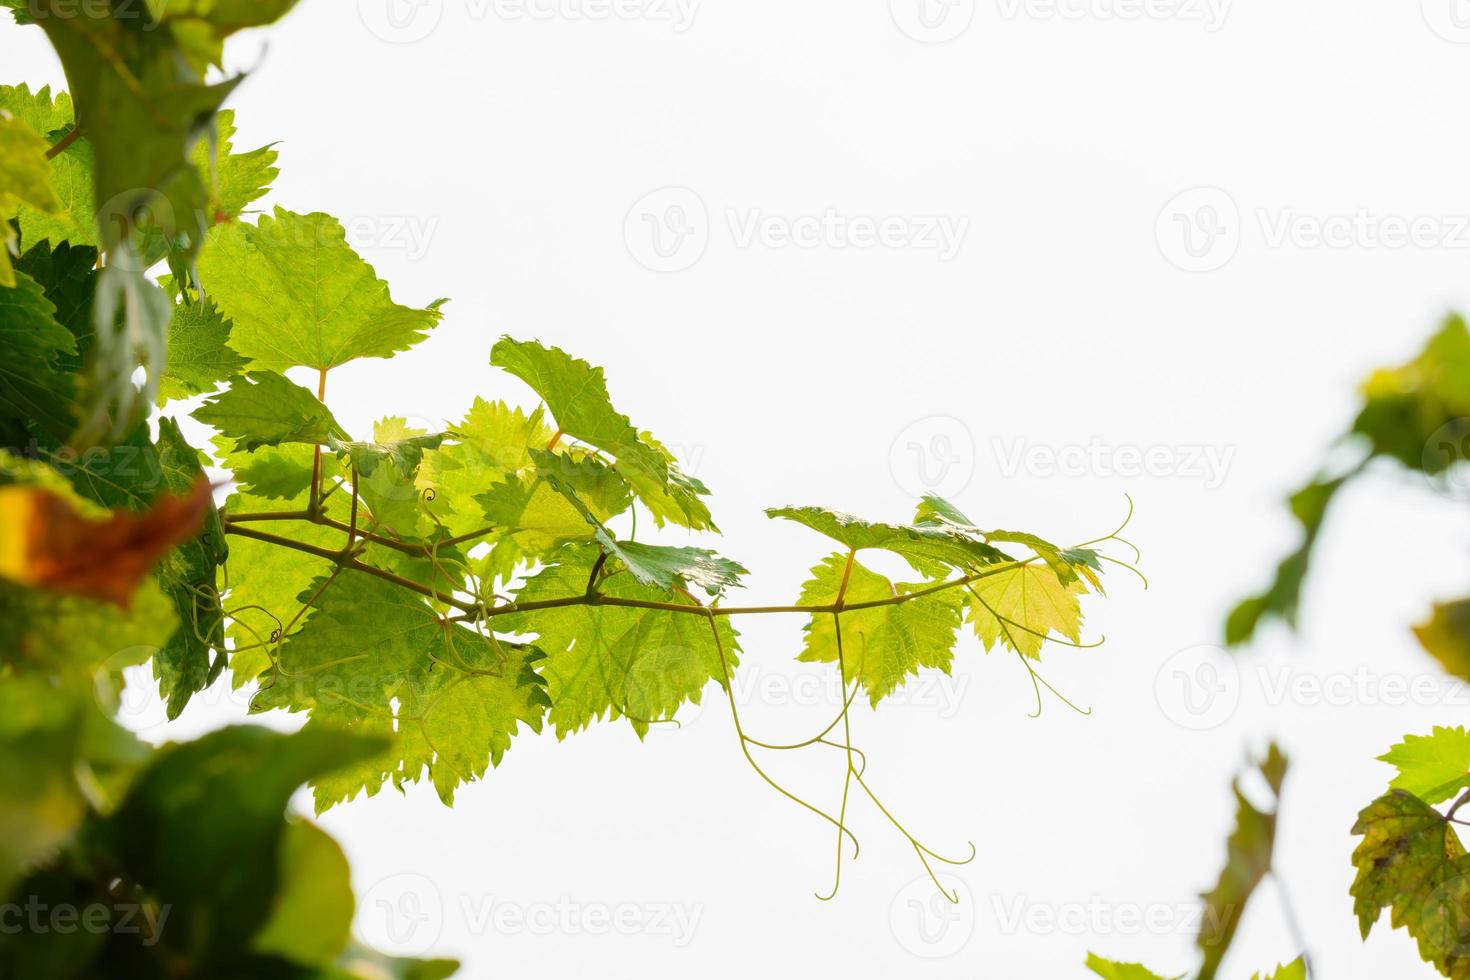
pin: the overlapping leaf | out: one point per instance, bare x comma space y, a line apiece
1412, 862
35, 387
930, 548
1023, 605
24, 180
1114, 970
1432, 767
576, 395
883, 645
1446, 636
605, 661
1248, 854
298, 295
199, 354
1415, 414
263, 408
373, 654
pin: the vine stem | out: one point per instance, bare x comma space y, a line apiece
61, 144
596, 600
473, 612
345, 558
314, 507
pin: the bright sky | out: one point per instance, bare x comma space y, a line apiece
1031, 254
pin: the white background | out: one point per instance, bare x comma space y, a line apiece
493, 156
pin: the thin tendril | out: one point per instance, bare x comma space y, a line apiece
745, 749
1119, 561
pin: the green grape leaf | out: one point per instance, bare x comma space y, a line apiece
387, 472
392, 443
68, 276
929, 548
34, 388
1415, 414
365, 639
676, 500
199, 353
311, 915
467, 719
127, 474
66, 634
881, 645
155, 108
369, 964
298, 295
1432, 767
25, 179
1411, 861
1309, 505
1295, 970
1113, 970
492, 445
372, 651
605, 661
667, 568
531, 518
224, 17
1248, 853
1065, 563
55, 747
265, 579
38, 110
1406, 408
1446, 636
24, 171
273, 472
188, 663
563, 498
76, 220
239, 179
1021, 606
576, 394
263, 408
201, 829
